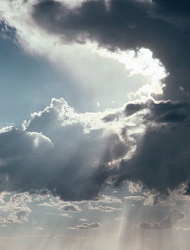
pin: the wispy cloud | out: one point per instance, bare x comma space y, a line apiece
86, 226
104, 208
173, 218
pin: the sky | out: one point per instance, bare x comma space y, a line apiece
94, 128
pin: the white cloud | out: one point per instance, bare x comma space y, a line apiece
16, 202
135, 198
83, 219
100, 61
183, 229
104, 208
109, 199
121, 219
142, 63
18, 216
17, 207
86, 226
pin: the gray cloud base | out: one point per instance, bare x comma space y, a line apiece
161, 160
173, 218
74, 156
64, 160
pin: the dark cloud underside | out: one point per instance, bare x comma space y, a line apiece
161, 26
76, 165
162, 158
73, 155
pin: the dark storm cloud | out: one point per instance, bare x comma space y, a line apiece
161, 26
163, 111
173, 217
68, 174
65, 160
162, 158
74, 156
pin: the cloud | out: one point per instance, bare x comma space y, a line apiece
75, 155
48, 204
4, 225
83, 219
16, 202
17, 206
70, 208
60, 205
120, 219
113, 67
3, 197
125, 25
183, 229
161, 159
155, 198
64, 152
86, 226
162, 28
108, 199
135, 198
104, 208
18, 216
159, 199
173, 218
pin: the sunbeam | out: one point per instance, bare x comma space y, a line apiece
95, 114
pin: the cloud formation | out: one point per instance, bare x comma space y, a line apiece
162, 28
161, 159
69, 155
183, 229
104, 208
135, 198
70, 208
86, 226
17, 208
173, 218
75, 155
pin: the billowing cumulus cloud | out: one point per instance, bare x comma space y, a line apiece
76, 155
17, 208
173, 218
69, 154
19, 216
